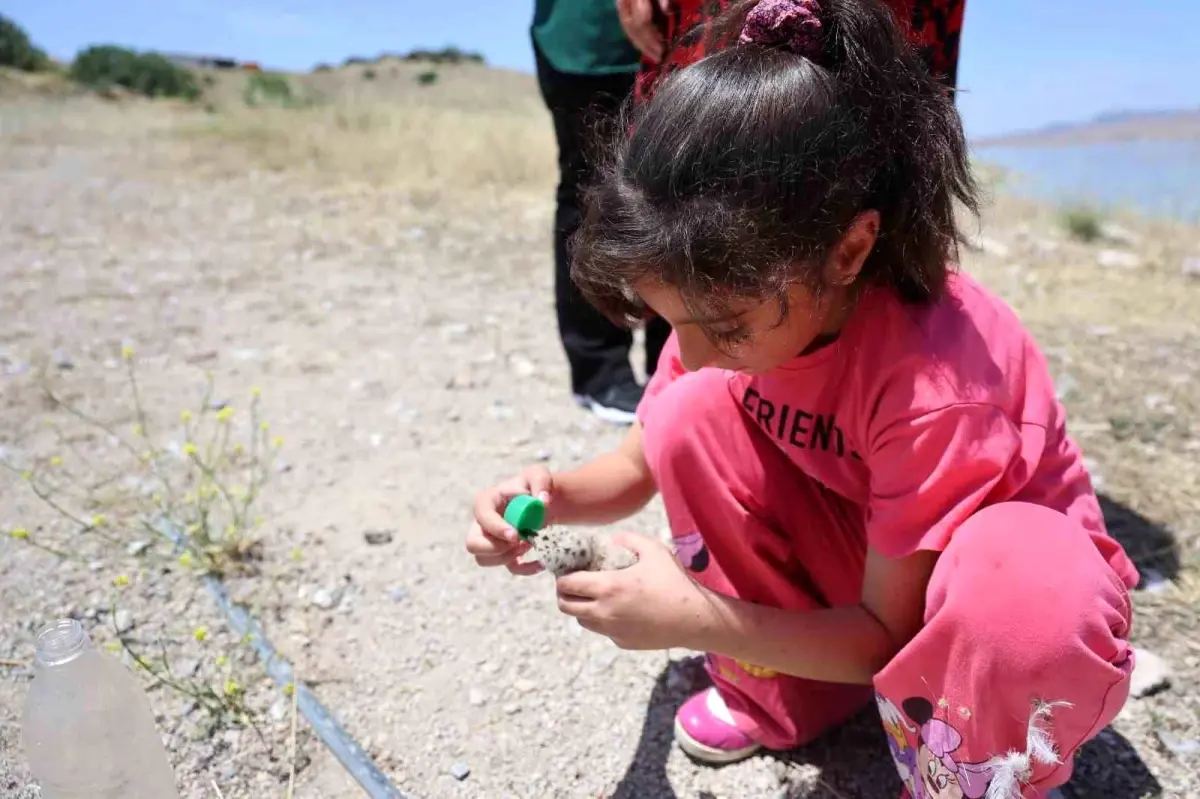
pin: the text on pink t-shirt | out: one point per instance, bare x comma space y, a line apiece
922, 415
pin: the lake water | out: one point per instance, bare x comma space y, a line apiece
1156, 178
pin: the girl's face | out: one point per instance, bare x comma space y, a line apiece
750, 337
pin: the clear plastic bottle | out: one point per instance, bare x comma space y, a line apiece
88, 729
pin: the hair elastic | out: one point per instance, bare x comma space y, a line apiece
794, 25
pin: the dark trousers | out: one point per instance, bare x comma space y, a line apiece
597, 349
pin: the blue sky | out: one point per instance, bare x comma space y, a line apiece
1024, 63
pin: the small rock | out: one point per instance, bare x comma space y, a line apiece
247, 355
62, 359
1150, 675
512, 708
96, 565
543, 455
379, 537
476, 697
499, 411
1180, 747
376, 440
228, 771
123, 621
280, 709
324, 599
989, 246
91, 613
524, 686
1190, 267
187, 707
397, 594
523, 367
1119, 235
136, 548
1153, 582
455, 331
460, 771
1118, 259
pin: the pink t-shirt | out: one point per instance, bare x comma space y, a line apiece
922, 416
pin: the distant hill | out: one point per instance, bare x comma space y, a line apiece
1107, 127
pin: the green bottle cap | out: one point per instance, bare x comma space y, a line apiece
526, 514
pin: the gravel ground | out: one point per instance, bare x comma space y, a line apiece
403, 340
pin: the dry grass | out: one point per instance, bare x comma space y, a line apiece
469, 131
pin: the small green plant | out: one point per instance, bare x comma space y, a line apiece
205, 486
16, 49
427, 78
1083, 223
104, 66
369, 74
214, 686
190, 504
271, 89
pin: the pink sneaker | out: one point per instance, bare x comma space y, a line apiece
705, 730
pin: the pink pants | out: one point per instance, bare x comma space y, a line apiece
1024, 653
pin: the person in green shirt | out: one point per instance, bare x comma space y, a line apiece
586, 67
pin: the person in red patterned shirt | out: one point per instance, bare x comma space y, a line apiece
670, 34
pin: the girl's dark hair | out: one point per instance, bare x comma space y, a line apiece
743, 171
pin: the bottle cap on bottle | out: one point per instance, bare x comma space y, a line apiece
526, 514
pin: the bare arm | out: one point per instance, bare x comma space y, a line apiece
612, 487
845, 644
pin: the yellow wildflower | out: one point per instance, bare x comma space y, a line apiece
120, 581
127, 353
138, 430
256, 392
221, 660
200, 633
27, 475
99, 520
185, 416
113, 646
289, 689
225, 414
189, 448
19, 533
186, 560
233, 688
277, 442
297, 554
56, 461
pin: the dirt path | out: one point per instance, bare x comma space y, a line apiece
405, 348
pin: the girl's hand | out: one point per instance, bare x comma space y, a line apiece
492, 540
653, 604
